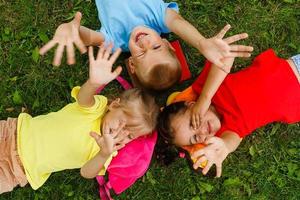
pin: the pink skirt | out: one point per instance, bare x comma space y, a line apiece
11, 169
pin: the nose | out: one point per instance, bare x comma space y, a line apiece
145, 42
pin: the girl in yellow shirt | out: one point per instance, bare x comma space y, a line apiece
84, 134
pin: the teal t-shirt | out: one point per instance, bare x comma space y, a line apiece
119, 17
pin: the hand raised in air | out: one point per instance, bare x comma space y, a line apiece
66, 35
215, 49
100, 68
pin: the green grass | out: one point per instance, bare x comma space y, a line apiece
266, 165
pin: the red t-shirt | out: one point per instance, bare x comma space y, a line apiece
267, 91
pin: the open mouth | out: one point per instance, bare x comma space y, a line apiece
139, 36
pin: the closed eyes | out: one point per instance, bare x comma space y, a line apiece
140, 55
143, 53
193, 140
156, 46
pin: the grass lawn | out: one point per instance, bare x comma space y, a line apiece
266, 165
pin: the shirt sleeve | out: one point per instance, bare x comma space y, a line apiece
107, 38
165, 6
233, 128
99, 107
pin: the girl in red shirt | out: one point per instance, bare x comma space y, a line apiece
232, 106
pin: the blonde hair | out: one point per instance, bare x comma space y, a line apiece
162, 76
141, 107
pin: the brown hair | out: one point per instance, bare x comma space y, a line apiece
162, 76
164, 120
141, 107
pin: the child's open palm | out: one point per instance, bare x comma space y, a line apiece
215, 49
66, 35
100, 72
110, 142
198, 112
215, 153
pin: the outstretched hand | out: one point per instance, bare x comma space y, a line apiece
198, 111
66, 35
215, 49
100, 72
110, 142
215, 153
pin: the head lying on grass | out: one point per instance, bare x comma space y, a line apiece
221, 115
84, 134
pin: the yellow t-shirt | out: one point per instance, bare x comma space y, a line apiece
59, 140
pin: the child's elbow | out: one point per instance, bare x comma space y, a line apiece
86, 174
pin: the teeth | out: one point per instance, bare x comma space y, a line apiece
140, 36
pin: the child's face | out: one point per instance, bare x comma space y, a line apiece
116, 117
185, 134
148, 49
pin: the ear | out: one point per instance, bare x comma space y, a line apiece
131, 65
114, 104
189, 104
169, 44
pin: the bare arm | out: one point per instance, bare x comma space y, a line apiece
212, 83
215, 78
85, 97
90, 37
232, 140
215, 48
186, 31
93, 166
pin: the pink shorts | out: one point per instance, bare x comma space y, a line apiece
11, 169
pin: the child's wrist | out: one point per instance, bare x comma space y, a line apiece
94, 85
204, 98
229, 139
225, 69
103, 155
200, 44
85, 36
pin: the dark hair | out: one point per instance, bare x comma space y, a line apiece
164, 120
166, 152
